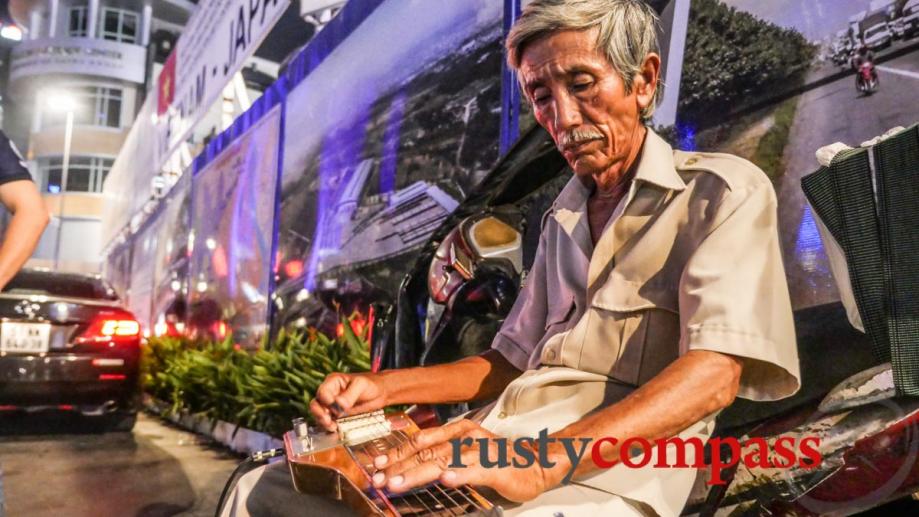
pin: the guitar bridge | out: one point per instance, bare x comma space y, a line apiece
357, 429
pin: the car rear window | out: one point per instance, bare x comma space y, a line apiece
50, 284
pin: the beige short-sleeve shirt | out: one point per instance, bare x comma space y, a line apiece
690, 260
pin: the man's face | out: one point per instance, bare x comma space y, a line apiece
578, 97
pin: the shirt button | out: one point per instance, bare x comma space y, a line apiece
502, 415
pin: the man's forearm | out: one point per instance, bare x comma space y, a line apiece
691, 388
19, 241
478, 377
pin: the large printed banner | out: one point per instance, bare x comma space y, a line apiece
219, 37
170, 268
233, 200
217, 40
783, 69
378, 152
140, 283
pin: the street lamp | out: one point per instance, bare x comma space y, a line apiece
60, 101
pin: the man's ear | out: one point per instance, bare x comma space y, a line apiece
645, 82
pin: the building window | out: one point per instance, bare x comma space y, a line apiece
96, 106
119, 25
84, 173
77, 26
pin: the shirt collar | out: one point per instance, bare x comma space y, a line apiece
655, 167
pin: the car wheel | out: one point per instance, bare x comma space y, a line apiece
116, 422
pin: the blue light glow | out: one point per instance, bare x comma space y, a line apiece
808, 246
686, 137
388, 160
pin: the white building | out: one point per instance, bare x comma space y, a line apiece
101, 55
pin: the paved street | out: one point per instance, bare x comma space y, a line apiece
157, 470
834, 113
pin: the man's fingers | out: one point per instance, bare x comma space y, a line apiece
322, 415
330, 388
440, 453
471, 474
425, 456
351, 394
418, 474
424, 439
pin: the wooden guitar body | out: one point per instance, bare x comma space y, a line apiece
340, 465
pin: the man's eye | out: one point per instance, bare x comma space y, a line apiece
579, 87
541, 99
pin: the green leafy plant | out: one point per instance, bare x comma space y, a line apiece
261, 390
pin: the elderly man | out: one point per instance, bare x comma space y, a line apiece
657, 294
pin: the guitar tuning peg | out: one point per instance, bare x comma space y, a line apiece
302, 432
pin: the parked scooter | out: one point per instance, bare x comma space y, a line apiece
462, 287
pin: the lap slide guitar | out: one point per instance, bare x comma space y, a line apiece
340, 465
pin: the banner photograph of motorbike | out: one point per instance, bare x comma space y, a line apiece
792, 124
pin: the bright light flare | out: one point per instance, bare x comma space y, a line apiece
11, 32
60, 101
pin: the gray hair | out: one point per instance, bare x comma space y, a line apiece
627, 33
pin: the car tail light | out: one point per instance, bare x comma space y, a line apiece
110, 329
120, 328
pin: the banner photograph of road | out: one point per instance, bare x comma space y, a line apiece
775, 81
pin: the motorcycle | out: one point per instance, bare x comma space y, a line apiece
867, 78
462, 286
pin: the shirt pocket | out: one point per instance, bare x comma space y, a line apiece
633, 331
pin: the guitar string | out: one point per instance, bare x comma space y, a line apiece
380, 496
395, 442
381, 451
476, 505
385, 436
439, 487
363, 448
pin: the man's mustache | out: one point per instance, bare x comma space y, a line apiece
578, 136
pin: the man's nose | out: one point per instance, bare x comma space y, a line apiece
567, 113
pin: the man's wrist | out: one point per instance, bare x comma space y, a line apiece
554, 475
390, 383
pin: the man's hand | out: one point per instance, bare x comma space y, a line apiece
343, 394
483, 377
428, 454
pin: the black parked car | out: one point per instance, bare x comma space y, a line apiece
67, 344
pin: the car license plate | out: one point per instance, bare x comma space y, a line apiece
24, 338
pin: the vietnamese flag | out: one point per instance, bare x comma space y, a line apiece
165, 87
